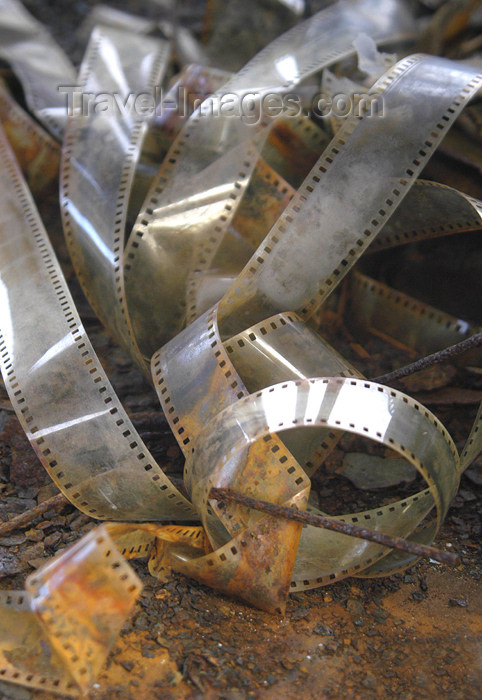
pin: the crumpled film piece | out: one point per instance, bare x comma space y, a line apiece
58, 633
158, 542
245, 566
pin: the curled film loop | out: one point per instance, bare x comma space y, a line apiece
270, 280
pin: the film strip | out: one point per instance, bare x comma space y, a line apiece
57, 634
431, 210
235, 383
208, 154
97, 442
37, 153
375, 306
41, 66
308, 403
200, 348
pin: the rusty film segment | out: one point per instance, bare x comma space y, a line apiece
57, 634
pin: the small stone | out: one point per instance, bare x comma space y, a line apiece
37, 562
9, 563
301, 614
380, 615
323, 630
368, 682
47, 492
14, 692
34, 535
173, 452
12, 540
428, 379
33, 552
175, 678
458, 602
79, 521
474, 474
467, 495
355, 608
52, 539
162, 641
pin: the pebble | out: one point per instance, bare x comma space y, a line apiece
9, 563
12, 540
52, 539
34, 535
33, 552
458, 602
355, 608
380, 615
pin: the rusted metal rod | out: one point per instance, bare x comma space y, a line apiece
30, 515
435, 358
351, 529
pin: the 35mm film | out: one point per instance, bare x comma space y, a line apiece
236, 247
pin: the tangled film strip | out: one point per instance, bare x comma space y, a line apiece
207, 244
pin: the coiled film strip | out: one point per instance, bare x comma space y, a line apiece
199, 347
206, 373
